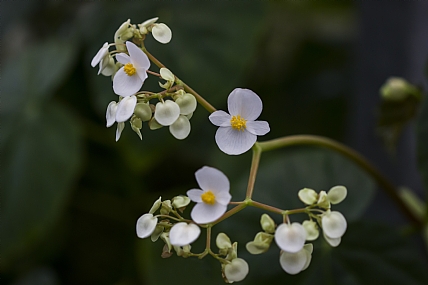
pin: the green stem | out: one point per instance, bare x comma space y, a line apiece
231, 212
265, 207
187, 88
257, 151
349, 153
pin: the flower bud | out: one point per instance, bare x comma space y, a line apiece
125, 108
136, 126
111, 113
337, 194
333, 224
260, 244
187, 103
146, 224
323, 201
156, 205
156, 233
166, 207
268, 225
290, 237
162, 33
312, 231
167, 112
223, 241
154, 125
125, 32
308, 196
398, 89
236, 270
143, 26
332, 241
182, 234
180, 129
179, 202
143, 111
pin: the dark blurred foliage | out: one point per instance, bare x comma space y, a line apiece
70, 195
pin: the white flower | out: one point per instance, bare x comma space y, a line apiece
162, 33
130, 77
293, 263
167, 112
238, 131
180, 129
290, 237
212, 200
236, 270
182, 234
104, 60
146, 225
333, 224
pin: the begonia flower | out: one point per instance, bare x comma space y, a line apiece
162, 33
130, 77
182, 234
212, 198
146, 225
238, 130
290, 237
293, 263
236, 270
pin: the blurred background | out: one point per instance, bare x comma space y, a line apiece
71, 195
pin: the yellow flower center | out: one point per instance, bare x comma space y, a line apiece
208, 198
238, 123
129, 69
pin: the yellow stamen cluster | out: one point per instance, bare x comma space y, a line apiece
208, 198
129, 69
238, 123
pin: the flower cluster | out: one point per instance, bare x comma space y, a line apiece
129, 73
295, 255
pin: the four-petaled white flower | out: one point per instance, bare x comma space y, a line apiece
212, 200
130, 77
238, 130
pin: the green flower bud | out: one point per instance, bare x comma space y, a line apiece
143, 111
308, 196
260, 244
223, 241
136, 125
398, 89
187, 103
156, 233
166, 207
156, 205
154, 125
179, 202
337, 194
268, 225
323, 201
312, 231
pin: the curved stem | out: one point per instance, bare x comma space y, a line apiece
349, 153
187, 88
257, 151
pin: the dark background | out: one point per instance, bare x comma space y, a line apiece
70, 195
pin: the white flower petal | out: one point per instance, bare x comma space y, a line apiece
293, 263
166, 74
212, 179
220, 119
123, 58
149, 22
222, 197
234, 142
119, 129
167, 113
125, 108
236, 270
162, 33
332, 241
195, 195
290, 238
138, 58
146, 224
259, 128
333, 224
125, 85
100, 55
182, 234
245, 103
108, 68
111, 113
180, 129
203, 213
337, 194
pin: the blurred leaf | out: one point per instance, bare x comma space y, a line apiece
422, 143
40, 147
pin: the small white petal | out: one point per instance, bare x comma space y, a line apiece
167, 113
111, 113
149, 22
180, 129
166, 74
100, 55
109, 68
222, 197
333, 224
259, 128
290, 238
119, 129
125, 108
236, 270
203, 213
308, 196
212, 179
187, 103
234, 142
123, 58
195, 195
337, 194
182, 234
245, 103
146, 224
125, 85
308, 248
293, 263
332, 241
162, 33
220, 119
138, 58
